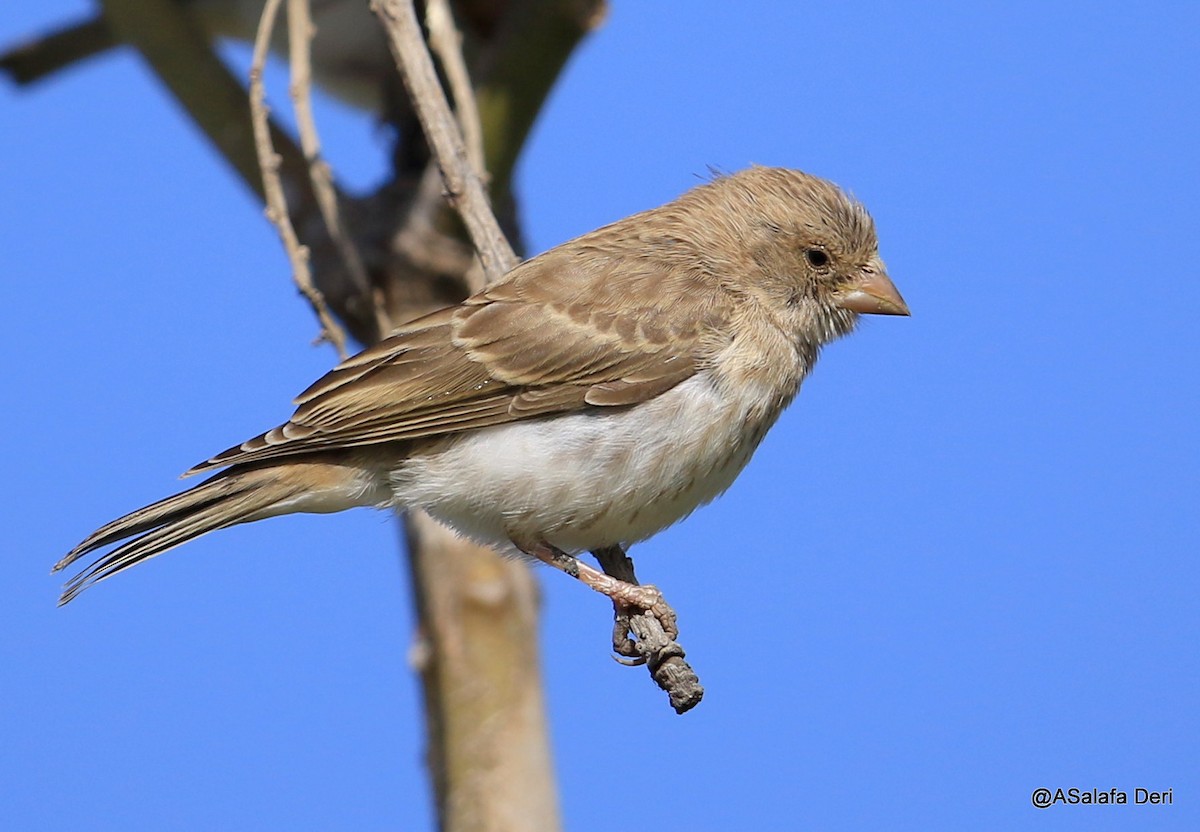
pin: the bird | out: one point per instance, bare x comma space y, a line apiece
591, 397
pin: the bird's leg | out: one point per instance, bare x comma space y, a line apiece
638, 610
619, 583
628, 594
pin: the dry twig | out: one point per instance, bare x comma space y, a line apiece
446, 42
277, 210
300, 34
654, 644
464, 186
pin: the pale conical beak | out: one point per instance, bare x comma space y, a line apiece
875, 294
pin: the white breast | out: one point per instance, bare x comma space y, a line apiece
592, 479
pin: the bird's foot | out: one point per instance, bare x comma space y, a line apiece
644, 631
643, 601
644, 625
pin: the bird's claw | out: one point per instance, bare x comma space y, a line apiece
639, 599
623, 645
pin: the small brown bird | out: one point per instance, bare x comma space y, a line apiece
595, 395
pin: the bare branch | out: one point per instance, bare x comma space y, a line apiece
179, 52
478, 661
446, 42
655, 632
41, 57
277, 210
300, 35
464, 186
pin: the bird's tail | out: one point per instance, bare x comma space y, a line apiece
237, 495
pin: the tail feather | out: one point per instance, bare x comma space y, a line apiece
164, 511
237, 495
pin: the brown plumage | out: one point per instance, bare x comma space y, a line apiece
713, 306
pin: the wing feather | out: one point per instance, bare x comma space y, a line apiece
570, 330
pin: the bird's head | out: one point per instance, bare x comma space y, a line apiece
810, 251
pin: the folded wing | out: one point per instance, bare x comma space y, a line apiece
554, 336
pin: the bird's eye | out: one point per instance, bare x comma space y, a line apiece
817, 258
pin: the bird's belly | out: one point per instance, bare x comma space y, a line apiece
591, 479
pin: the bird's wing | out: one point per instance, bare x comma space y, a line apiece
561, 333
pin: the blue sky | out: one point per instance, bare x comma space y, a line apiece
962, 567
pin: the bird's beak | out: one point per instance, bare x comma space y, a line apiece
874, 294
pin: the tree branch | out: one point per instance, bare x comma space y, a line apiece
477, 653
277, 210
477, 610
464, 187
446, 42
300, 35
179, 53
37, 58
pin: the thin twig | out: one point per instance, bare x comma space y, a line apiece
300, 34
277, 210
655, 645
464, 187
446, 42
